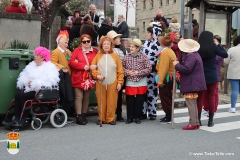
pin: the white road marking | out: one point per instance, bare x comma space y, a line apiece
238, 137
4, 140
222, 127
219, 115
185, 110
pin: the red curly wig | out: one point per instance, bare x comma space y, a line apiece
105, 38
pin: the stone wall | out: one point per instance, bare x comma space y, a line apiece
23, 27
145, 12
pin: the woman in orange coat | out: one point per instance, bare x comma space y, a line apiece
80, 62
110, 77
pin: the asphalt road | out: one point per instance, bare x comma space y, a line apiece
146, 141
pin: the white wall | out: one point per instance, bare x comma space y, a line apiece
236, 20
121, 9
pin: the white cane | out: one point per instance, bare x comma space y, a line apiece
101, 102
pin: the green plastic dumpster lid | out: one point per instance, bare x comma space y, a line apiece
20, 53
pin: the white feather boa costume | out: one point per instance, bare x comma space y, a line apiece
45, 75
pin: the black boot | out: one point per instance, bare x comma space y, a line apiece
210, 120
80, 120
199, 119
85, 117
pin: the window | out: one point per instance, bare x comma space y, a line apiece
144, 4
167, 1
144, 27
152, 3
160, 2
174, 1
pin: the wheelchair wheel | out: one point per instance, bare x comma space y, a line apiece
58, 118
45, 118
36, 124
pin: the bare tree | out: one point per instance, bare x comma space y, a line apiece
47, 14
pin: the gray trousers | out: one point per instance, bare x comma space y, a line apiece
193, 111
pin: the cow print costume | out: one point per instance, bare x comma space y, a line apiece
152, 48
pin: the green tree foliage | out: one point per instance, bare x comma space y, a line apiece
110, 12
4, 4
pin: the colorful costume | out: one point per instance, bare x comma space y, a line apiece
110, 67
136, 86
60, 58
165, 70
152, 48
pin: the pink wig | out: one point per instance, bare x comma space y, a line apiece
43, 52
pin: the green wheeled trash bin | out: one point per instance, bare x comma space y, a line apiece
12, 62
93, 99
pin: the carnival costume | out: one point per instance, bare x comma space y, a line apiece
152, 48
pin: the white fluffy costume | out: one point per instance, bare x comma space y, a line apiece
45, 75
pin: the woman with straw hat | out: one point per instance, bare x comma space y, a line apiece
121, 52
192, 79
136, 68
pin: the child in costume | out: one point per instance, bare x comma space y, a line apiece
136, 68
192, 79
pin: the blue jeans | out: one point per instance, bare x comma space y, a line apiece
235, 85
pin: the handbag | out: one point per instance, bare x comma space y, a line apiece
88, 82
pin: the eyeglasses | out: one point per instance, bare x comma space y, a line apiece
87, 41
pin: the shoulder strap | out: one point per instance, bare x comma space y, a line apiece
86, 59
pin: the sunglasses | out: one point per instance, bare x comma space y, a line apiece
87, 41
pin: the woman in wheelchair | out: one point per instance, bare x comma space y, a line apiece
40, 73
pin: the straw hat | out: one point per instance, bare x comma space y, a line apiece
113, 34
188, 45
136, 42
166, 40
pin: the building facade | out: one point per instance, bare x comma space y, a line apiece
146, 11
120, 8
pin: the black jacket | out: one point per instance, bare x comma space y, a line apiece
74, 32
104, 29
123, 29
95, 19
66, 90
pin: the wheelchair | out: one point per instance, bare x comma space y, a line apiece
38, 111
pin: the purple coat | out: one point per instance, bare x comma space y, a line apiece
192, 73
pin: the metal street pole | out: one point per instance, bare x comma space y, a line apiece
127, 11
190, 32
182, 16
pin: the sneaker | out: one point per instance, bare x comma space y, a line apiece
69, 121
165, 120
232, 110
215, 114
204, 113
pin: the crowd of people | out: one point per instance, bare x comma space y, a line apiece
144, 72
